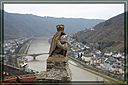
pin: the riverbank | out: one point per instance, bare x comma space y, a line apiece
81, 75
25, 47
108, 80
23, 51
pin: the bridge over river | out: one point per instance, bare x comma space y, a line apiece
41, 45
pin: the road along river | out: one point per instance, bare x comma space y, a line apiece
41, 45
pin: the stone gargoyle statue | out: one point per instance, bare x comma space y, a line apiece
59, 43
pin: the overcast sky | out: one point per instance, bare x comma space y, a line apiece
88, 11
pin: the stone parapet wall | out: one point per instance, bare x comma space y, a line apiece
57, 68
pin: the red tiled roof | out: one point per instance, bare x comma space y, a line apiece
21, 78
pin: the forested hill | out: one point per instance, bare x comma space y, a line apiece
30, 25
110, 33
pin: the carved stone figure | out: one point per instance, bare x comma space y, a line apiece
57, 62
58, 45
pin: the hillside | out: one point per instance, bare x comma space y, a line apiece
108, 34
30, 25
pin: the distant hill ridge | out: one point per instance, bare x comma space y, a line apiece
30, 25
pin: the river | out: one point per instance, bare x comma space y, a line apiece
41, 45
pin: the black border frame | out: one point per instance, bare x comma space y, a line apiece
125, 2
